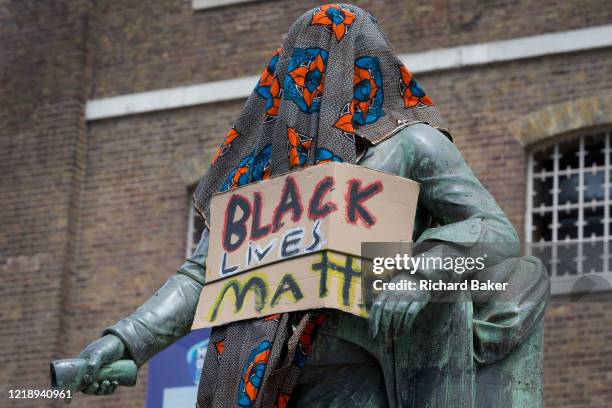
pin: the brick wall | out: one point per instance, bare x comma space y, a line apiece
157, 44
134, 218
94, 216
578, 364
42, 130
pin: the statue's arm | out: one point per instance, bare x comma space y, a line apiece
168, 314
449, 188
471, 223
159, 322
467, 214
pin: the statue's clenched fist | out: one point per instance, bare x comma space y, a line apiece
105, 350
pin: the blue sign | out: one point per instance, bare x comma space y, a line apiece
174, 373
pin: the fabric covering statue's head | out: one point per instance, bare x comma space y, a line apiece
334, 77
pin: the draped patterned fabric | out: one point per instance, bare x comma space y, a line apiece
335, 77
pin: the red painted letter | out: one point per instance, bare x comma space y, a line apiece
290, 201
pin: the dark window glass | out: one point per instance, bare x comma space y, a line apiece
581, 206
593, 186
593, 256
541, 227
567, 256
593, 222
543, 160
568, 186
594, 150
568, 227
569, 157
542, 190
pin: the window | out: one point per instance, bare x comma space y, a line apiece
195, 225
569, 207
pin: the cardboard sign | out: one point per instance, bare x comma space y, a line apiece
293, 242
324, 279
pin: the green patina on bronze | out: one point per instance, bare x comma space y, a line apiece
412, 352
459, 354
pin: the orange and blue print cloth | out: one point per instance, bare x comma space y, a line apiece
269, 88
252, 168
305, 79
367, 91
324, 156
298, 146
333, 78
367, 104
219, 347
227, 143
252, 375
282, 401
412, 93
306, 339
335, 18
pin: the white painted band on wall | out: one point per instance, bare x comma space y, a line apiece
170, 98
206, 4
426, 61
509, 50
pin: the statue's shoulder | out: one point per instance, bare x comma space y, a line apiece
420, 139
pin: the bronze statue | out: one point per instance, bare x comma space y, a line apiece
335, 91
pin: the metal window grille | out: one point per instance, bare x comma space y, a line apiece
569, 210
195, 226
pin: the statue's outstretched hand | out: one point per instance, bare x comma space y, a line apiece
105, 350
393, 311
